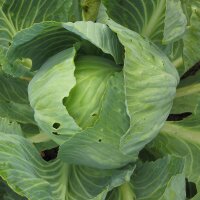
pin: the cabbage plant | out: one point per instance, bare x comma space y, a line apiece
99, 100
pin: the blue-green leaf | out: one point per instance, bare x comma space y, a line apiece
29, 175
162, 179
47, 91
161, 21
18, 15
14, 103
182, 138
149, 101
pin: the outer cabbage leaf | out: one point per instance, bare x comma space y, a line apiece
181, 138
102, 16
161, 21
51, 38
191, 53
149, 101
189, 44
175, 22
46, 92
52, 180
99, 35
172, 24
175, 53
14, 103
162, 179
18, 15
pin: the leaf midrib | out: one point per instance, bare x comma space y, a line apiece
188, 90
181, 132
153, 21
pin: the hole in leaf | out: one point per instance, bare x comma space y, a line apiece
9, 43
191, 189
100, 140
56, 125
55, 133
49, 154
178, 117
94, 115
192, 71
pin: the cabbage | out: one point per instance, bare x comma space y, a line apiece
97, 100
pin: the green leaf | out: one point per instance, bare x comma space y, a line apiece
160, 21
15, 16
175, 53
188, 95
191, 53
102, 15
175, 21
49, 38
86, 183
163, 22
188, 49
162, 179
99, 35
14, 104
149, 101
181, 138
180, 141
46, 93
63, 36
52, 180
